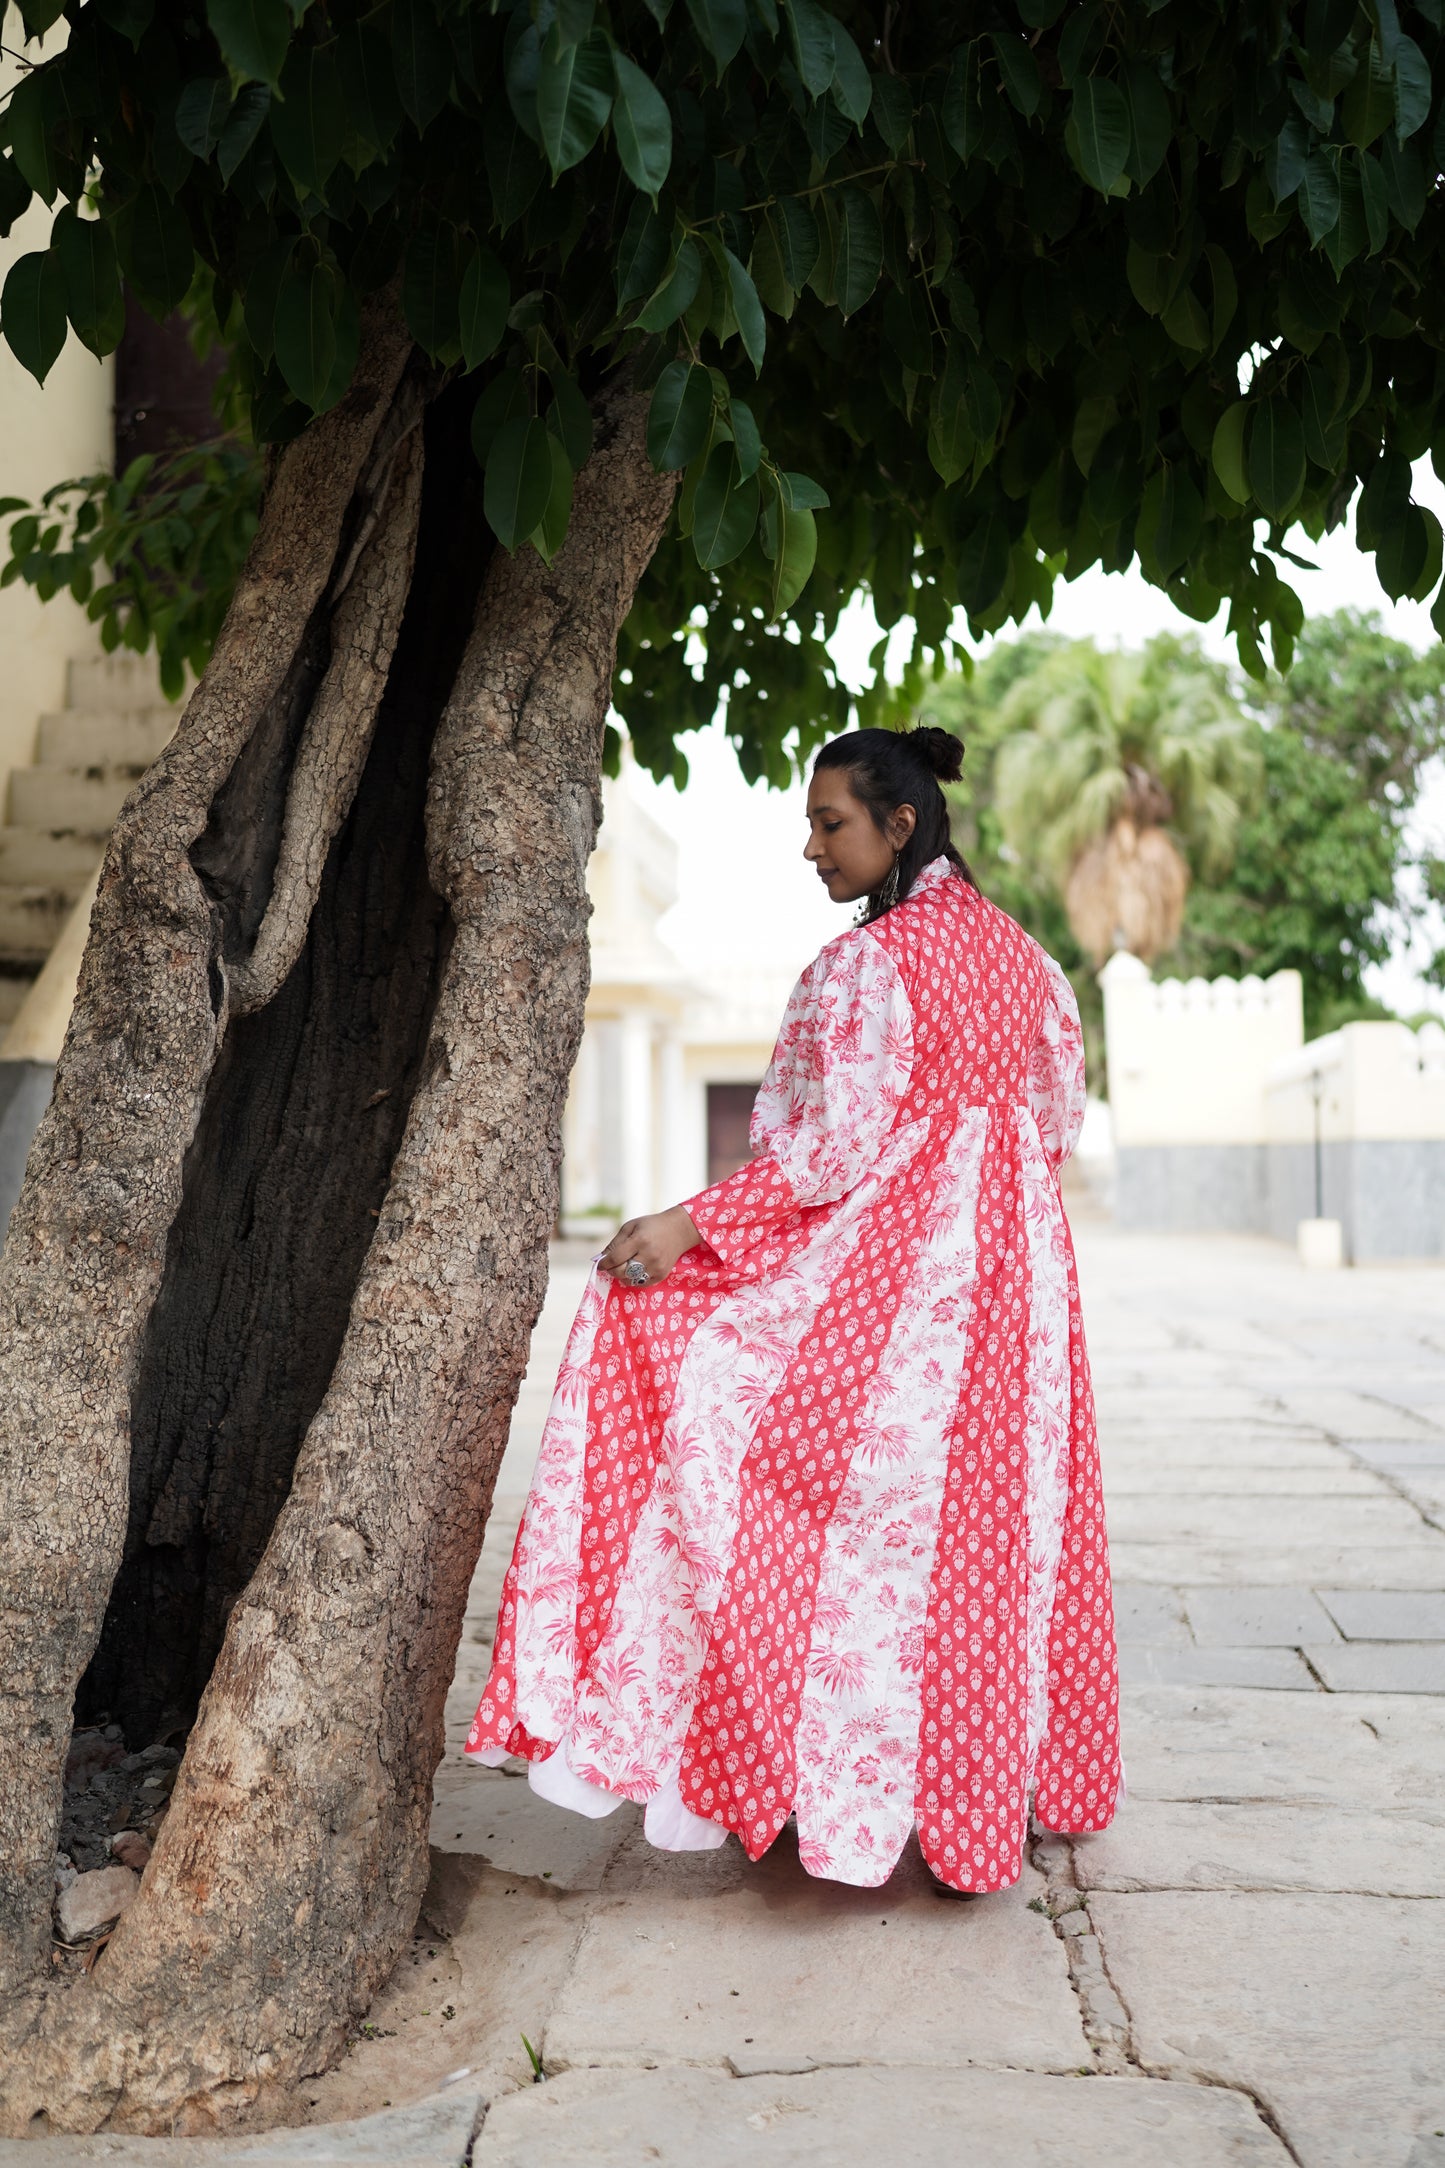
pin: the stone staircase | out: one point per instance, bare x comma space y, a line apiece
60, 809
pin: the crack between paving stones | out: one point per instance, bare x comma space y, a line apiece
1391, 1483
1115, 2048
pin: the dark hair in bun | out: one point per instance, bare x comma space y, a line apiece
890, 768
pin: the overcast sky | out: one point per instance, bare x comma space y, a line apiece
745, 892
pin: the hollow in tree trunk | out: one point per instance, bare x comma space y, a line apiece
268, 1290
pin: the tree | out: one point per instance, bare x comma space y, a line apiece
557, 324
1324, 872
1115, 772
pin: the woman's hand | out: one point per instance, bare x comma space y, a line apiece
644, 1251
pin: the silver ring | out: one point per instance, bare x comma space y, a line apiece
634, 1273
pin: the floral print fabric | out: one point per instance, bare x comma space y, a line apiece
816, 1523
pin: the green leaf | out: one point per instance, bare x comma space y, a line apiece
794, 553
1151, 122
642, 126
1319, 195
574, 98
550, 532
1171, 519
892, 110
1019, 70
796, 231
15, 195
1324, 426
680, 416
1368, 105
859, 258
721, 25
801, 493
1096, 416
983, 561
506, 399
368, 84
1350, 233
93, 301
430, 288
1434, 556
724, 510
811, 31
747, 442
32, 311
641, 253
951, 441
253, 36
306, 330
201, 113
570, 418
1375, 197
308, 121
1227, 451
1404, 171
253, 103
29, 128
1284, 161
423, 62
129, 18
1186, 322
962, 111
1101, 124
156, 249
752, 329
486, 296
1412, 89
574, 19
852, 86
1402, 552
519, 479
676, 292
1225, 292
1276, 457
982, 401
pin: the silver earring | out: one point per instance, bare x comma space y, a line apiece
888, 893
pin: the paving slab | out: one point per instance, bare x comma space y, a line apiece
1255, 1617
916, 2119
1400, 1453
1177, 1562
1279, 1670
494, 1815
1328, 1523
1154, 1615
435, 2133
1343, 1414
1414, 1614
1381, 1667
1359, 1751
1173, 1844
779, 1961
1323, 2007
1169, 1478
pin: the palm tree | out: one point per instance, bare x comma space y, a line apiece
1116, 773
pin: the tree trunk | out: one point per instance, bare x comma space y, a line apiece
269, 1288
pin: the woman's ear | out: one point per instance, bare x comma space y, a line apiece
901, 823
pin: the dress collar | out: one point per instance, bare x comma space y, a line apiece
934, 874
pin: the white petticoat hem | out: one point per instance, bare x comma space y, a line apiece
667, 1823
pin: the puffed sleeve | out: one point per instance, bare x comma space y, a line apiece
838, 1075
1056, 1068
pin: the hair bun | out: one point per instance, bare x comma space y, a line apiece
939, 750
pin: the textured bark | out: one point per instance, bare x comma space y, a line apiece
87, 1239
289, 1870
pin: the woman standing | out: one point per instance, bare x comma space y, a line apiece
816, 1524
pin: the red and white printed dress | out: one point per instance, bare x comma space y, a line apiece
816, 1524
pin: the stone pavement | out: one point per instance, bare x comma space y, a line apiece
1248, 1968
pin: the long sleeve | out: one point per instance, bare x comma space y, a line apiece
1056, 1068
838, 1075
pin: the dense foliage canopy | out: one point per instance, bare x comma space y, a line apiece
1020, 288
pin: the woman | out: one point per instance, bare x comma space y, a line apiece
816, 1525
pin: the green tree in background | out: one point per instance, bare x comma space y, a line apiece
1325, 879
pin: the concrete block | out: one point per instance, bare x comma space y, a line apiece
1414, 1614
1318, 2004
915, 2118
31, 858
1320, 1244
685, 1972
90, 737
84, 801
1381, 1667
1402, 1564
1362, 1752
1153, 1615
31, 921
1279, 1670
1255, 1617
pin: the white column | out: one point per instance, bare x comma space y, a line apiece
636, 1113
673, 1184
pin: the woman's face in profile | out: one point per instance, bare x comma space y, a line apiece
851, 855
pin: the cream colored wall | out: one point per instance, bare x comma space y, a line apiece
1376, 1082
47, 435
1188, 1061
